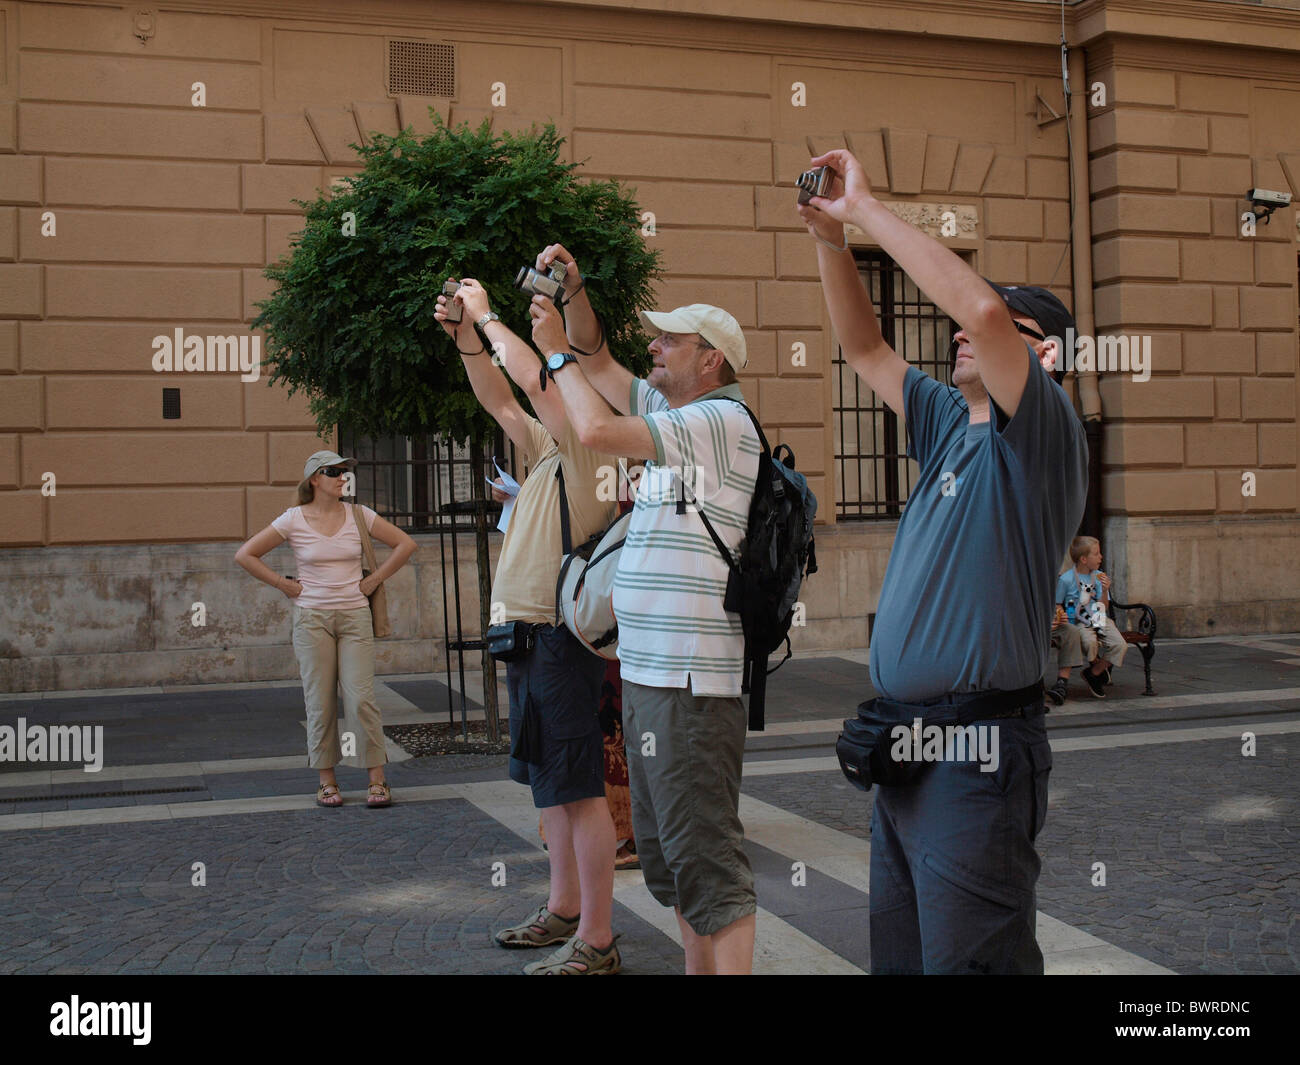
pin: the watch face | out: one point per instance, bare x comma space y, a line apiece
556, 361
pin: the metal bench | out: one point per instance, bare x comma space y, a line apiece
1143, 637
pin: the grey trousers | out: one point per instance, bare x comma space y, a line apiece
1067, 652
335, 648
953, 862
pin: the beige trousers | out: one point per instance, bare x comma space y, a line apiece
335, 648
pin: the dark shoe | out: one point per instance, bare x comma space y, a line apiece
1057, 692
1096, 683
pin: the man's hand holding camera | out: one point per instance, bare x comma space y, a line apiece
472, 297
553, 253
849, 193
548, 327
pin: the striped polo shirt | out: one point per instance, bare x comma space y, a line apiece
672, 628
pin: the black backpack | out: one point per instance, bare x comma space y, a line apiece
776, 553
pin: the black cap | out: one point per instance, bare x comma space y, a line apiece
1040, 305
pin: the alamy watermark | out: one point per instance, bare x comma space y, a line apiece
651, 484
1105, 354
946, 743
53, 743
102, 1018
237, 352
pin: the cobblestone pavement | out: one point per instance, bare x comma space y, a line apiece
1202, 863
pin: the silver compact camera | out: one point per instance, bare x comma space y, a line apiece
815, 182
451, 309
550, 285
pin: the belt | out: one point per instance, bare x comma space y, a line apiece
964, 707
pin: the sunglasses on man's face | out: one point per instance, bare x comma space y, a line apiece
1023, 329
333, 471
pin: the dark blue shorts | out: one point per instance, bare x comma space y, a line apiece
558, 684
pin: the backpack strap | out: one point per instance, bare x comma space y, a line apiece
565, 537
681, 497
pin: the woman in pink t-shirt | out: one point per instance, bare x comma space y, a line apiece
333, 635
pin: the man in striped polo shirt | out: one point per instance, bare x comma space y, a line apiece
681, 653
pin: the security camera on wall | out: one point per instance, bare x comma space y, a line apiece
1266, 201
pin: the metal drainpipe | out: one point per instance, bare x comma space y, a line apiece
1081, 280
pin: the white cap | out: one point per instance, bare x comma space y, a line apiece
717, 328
325, 458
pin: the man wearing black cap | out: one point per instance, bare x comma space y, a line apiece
965, 612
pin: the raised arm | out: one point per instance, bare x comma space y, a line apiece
1000, 353
612, 380
517, 357
852, 315
490, 388
598, 427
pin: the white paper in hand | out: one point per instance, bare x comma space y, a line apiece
511, 488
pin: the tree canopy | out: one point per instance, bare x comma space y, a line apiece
351, 320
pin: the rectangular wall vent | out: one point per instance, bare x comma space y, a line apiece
421, 68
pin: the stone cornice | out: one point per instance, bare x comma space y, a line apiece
1187, 21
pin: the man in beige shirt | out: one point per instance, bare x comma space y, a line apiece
554, 686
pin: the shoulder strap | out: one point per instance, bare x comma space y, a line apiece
767, 454
367, 548
566, 540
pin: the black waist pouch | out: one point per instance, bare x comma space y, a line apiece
863, 749
511, 640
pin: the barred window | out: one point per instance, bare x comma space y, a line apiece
873, 475
421, 483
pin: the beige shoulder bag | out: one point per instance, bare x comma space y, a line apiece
378, 598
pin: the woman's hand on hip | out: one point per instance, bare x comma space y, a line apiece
291, 588
368, 585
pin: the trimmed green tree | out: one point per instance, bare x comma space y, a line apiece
351, 320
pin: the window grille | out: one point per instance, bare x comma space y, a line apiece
872, 472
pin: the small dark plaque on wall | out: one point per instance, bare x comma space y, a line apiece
171, 402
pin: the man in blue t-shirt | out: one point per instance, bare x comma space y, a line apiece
965, 612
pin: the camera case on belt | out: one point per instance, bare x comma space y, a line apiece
863, 749
511, 640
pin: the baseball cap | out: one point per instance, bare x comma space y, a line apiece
325, 458
1038, 304
719, 329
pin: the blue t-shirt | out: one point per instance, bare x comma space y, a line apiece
967, 600
1071, 581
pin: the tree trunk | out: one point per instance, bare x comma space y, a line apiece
479, 490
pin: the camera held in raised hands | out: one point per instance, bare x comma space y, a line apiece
815, 182
451, 309
551, 285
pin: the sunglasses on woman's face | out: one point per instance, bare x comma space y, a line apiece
333, 471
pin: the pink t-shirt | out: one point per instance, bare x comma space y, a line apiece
329, 567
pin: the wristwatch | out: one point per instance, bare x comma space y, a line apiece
554, 364
491, 316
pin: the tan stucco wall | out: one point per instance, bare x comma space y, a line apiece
167, 213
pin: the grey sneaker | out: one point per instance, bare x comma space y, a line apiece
1057, 691
543, 929
577, 958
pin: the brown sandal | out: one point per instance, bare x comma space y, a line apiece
324, 792
384, 795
